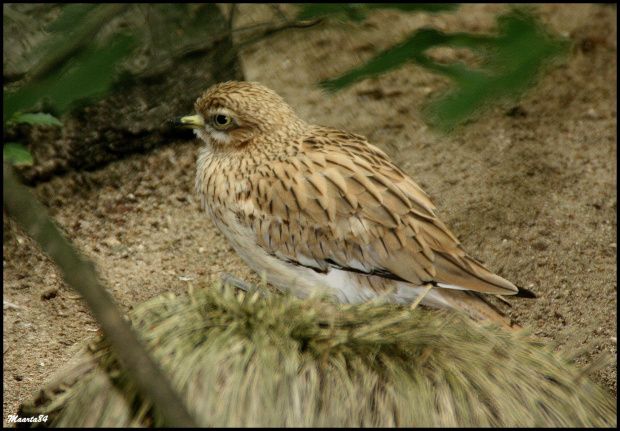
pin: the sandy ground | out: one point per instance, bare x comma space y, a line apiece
530, 189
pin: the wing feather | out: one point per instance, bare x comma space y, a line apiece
349, 206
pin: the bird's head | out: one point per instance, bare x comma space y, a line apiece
232, 114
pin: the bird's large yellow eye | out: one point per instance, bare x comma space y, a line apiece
221, 121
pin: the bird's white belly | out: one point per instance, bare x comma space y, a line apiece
345, 286
281, 274
300, 280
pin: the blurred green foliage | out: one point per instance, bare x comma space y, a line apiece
511, 60
38, 118
17, 154
88, 74
70, 65
87, 47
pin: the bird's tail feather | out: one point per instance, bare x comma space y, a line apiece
474, 304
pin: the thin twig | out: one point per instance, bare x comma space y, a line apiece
271, 31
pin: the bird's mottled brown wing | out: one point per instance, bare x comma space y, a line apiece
339, 201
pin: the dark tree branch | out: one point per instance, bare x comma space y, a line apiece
80, 274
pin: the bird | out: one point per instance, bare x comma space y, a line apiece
319, 210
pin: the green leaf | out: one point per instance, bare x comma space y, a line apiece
515, 58
512, 59
39, 118
411, 49
17, 154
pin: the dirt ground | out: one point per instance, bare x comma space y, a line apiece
529, 189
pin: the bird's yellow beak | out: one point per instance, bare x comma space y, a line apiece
189, 121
